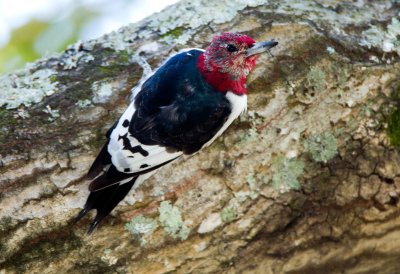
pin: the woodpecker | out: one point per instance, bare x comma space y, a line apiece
183, 107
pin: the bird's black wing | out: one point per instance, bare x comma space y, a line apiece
175, 112
177, 109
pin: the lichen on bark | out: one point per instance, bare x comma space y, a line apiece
322, 117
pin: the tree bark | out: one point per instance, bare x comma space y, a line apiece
307, 182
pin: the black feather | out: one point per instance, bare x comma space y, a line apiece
102, 160
176, 108
104, 201
108, 178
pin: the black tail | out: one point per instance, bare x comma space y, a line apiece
104, 201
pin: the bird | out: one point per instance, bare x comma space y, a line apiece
187, 103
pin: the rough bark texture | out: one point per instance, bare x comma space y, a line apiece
307, 182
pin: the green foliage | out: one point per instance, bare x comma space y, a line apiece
37, 37
171, 220
322, 147
286, 173
19, 50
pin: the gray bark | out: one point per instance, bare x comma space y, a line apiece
307, 182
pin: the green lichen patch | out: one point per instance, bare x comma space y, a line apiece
184, 232
393, 129
123, 57
53, 113
250, 135
7, 124
339, 72
386, 39
171, 220
27, 89
178, 35
286, 173
251, 181
315, 79
6, 118
174, 33
111, 57
102, 90
228, 214
322, 147
84, 103
140, 227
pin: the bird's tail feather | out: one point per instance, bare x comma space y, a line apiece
104, 201
102, 160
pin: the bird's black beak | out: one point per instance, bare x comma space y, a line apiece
261, 47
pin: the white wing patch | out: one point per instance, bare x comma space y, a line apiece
128, 155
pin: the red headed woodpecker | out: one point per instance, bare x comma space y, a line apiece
183, 107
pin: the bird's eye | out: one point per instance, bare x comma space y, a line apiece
231, 48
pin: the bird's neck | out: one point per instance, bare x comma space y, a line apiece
222, 82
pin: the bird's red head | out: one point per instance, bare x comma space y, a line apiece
229, 59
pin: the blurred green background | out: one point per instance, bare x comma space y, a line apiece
32, 29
